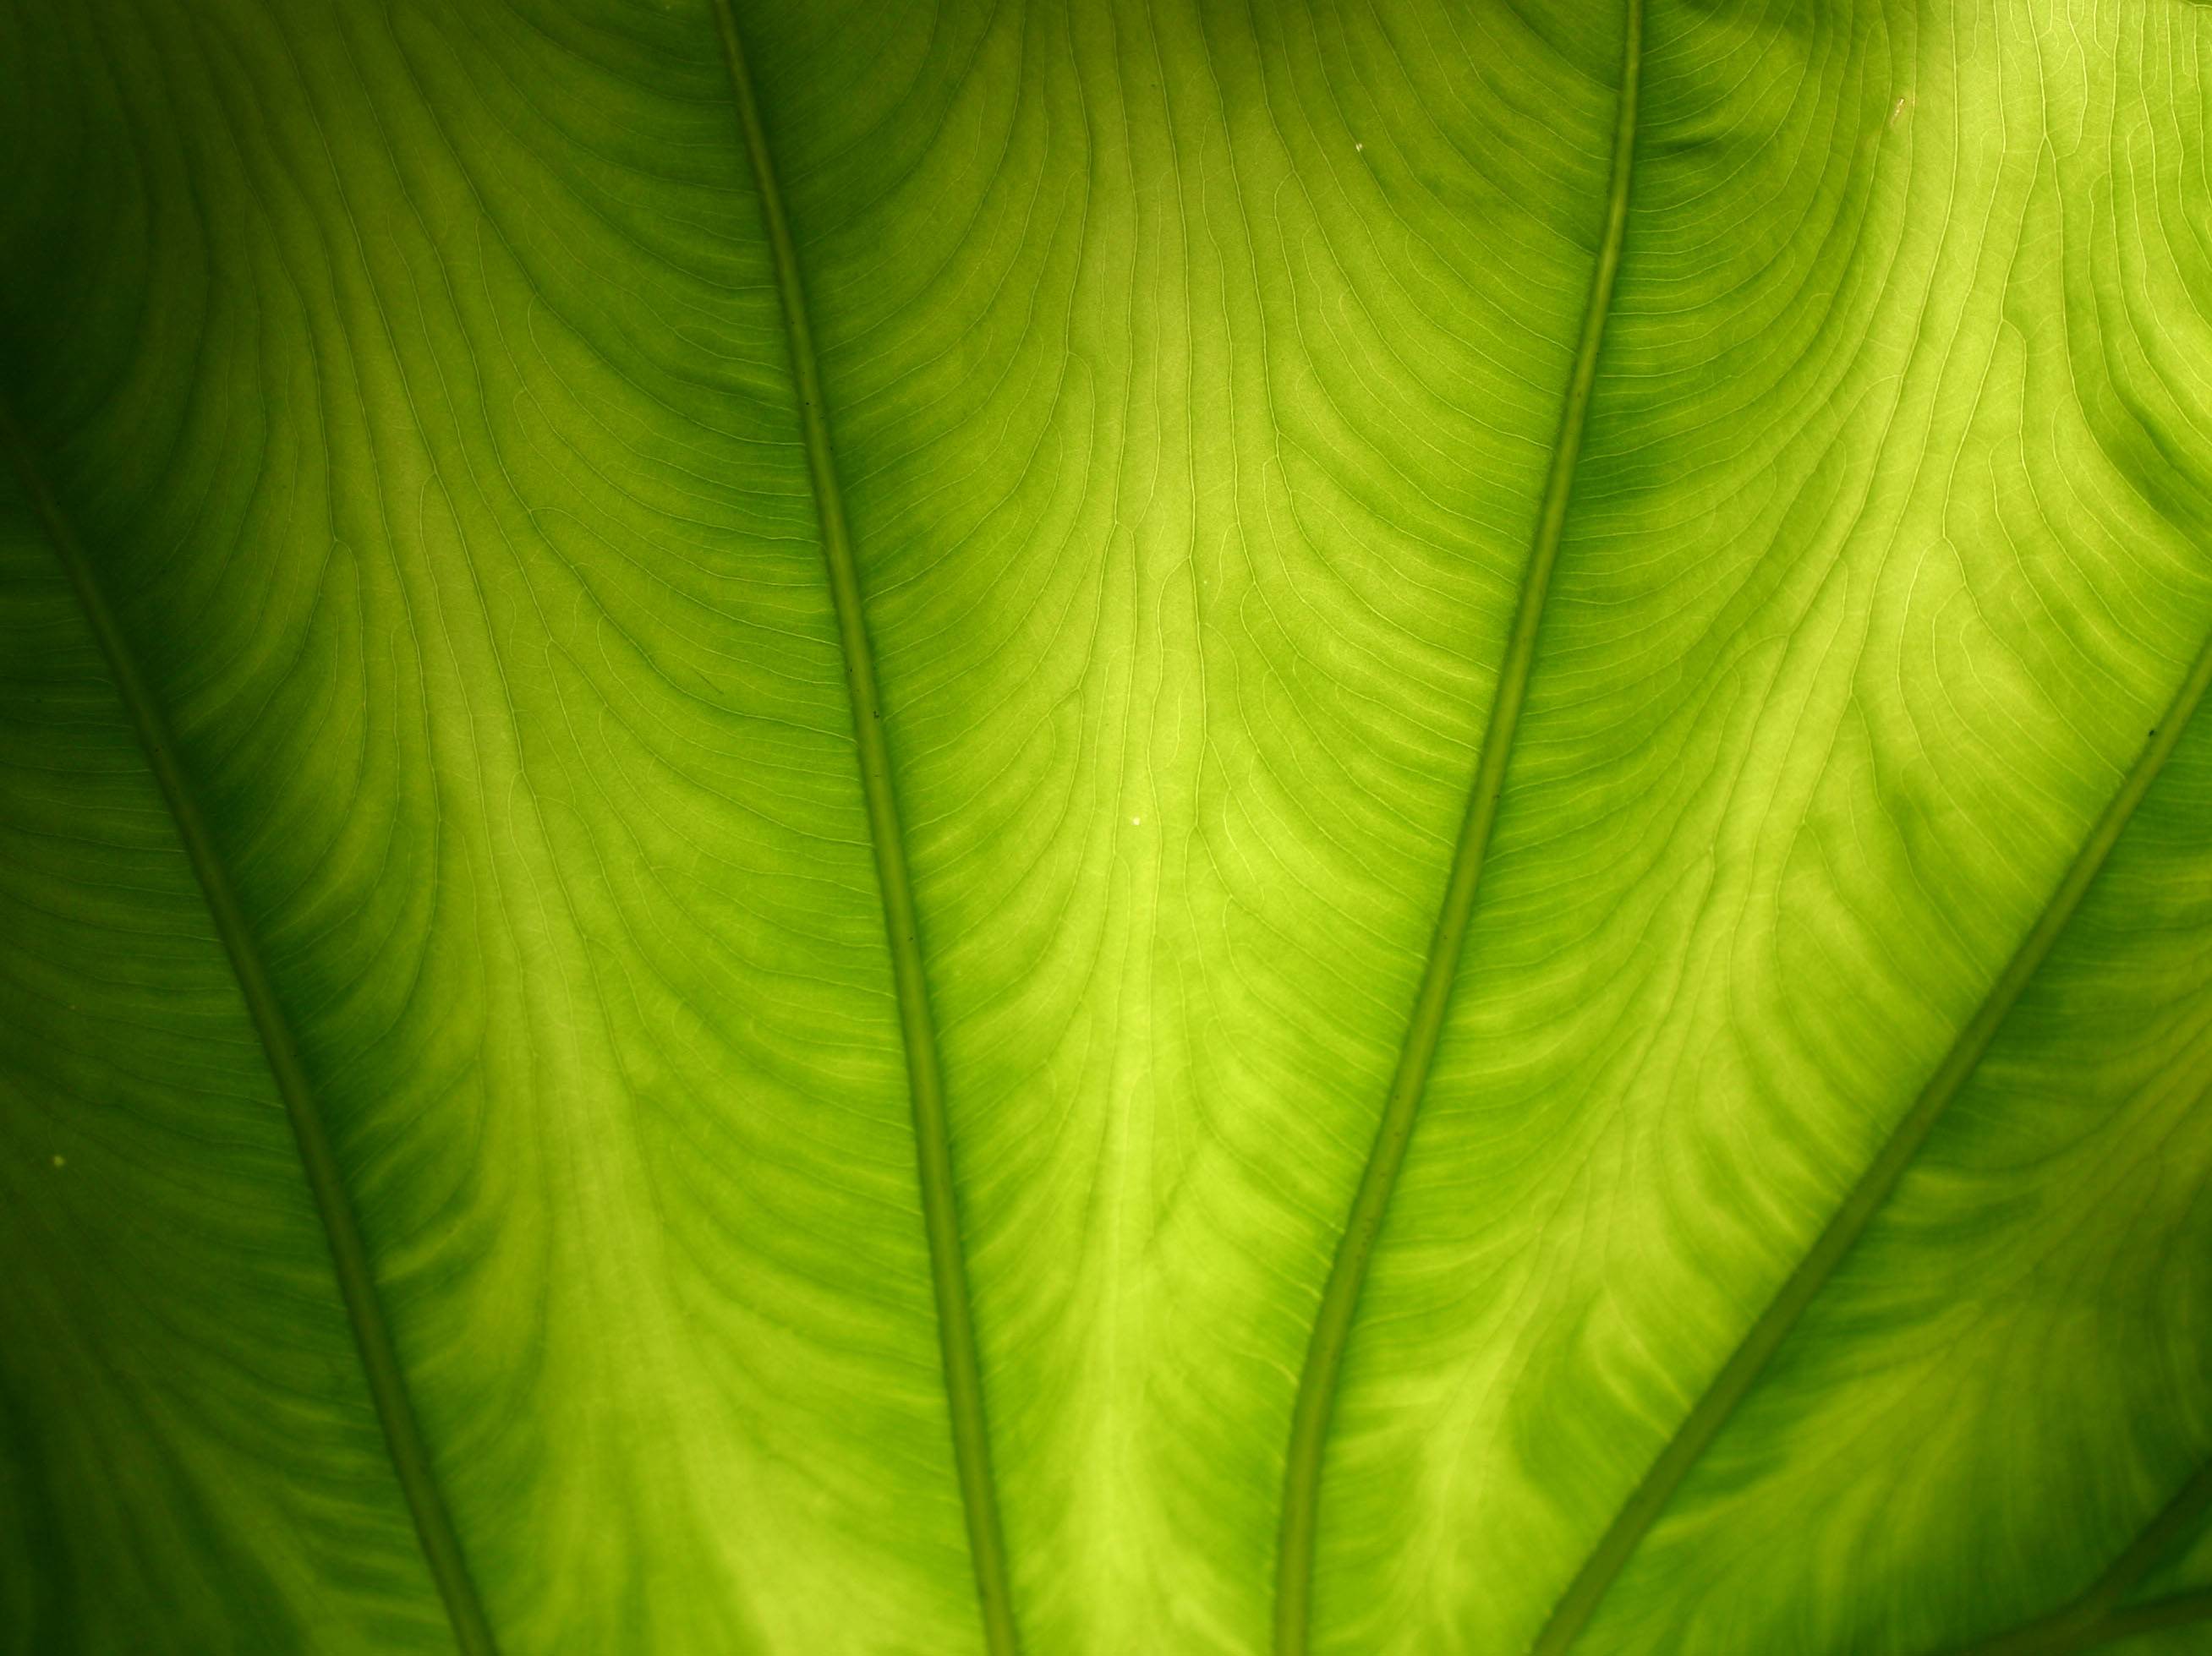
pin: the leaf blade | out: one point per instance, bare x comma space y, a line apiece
1339, 1300
887, 838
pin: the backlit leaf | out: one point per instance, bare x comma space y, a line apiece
1105, 826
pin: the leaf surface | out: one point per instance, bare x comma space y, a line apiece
743, 746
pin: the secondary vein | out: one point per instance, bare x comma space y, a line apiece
372, 1335
955, 1323
1766, 1336
2089, 1619
1317, 1383
2052, 1638
2158, 1615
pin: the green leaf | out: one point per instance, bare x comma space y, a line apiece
1093, 826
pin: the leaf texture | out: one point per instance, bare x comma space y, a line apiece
739, 744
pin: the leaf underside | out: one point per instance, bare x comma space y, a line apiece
832, 827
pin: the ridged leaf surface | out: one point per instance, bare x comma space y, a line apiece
1358, 825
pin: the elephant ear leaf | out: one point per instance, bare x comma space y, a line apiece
1106, 825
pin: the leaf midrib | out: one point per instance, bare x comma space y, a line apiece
956, 1326
356, 1280
1316, 1403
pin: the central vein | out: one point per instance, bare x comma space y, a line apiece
948, 1270
1339, 1300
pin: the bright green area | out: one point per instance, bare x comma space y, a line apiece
498, 957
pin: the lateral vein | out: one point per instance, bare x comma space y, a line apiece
356, 1279
1874, 1187
2091, 1618
2053, 1637
956, 1326
1317, 1383
2158, 1615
